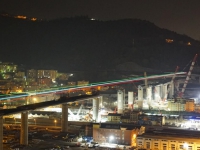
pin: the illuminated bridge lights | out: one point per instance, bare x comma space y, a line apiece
92, 85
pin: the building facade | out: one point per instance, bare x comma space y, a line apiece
112, 117
116, 133
81, 83
44, 82
52, 74
189, 106
6, 67
32, 73
176, 106
181, 105
165, 141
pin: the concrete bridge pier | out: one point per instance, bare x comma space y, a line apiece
100, 101
140, 93
120, 101
149, 94
1, 132
130, 100
24, 128
95, 109
157, 93
100, 98
161, 91
171, 92
165, 94
64, 124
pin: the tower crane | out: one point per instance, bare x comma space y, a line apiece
188, 76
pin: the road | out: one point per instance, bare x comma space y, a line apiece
50, 144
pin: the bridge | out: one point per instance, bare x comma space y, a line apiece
60, 96
60, 90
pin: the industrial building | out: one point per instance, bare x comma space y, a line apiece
181, 105
169, 139
124, 134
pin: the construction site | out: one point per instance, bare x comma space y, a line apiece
165, 101
121, 112
168, 97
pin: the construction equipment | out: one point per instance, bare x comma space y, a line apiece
157, 95
77, 115
89, 116
188, 76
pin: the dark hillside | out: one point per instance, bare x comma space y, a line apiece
82, 44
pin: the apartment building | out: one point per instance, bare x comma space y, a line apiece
52, 74
7, 67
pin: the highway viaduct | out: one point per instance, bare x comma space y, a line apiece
63, 100
24, 114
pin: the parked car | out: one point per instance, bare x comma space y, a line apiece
95, 144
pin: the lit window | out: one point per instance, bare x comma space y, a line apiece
169, 40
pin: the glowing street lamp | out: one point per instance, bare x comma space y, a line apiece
111, 138
55, 121
34, 99
35, 121
185, 146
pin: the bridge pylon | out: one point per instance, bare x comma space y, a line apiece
64, 124
24, 128
1, 132
95, 108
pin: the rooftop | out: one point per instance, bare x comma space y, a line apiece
119, 126
175, 133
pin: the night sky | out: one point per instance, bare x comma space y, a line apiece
181, 16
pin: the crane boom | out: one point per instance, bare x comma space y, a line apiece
172, 81
188, 75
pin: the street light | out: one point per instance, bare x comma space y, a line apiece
34, 99
55, 121
111, 138
35, 121
185, 146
